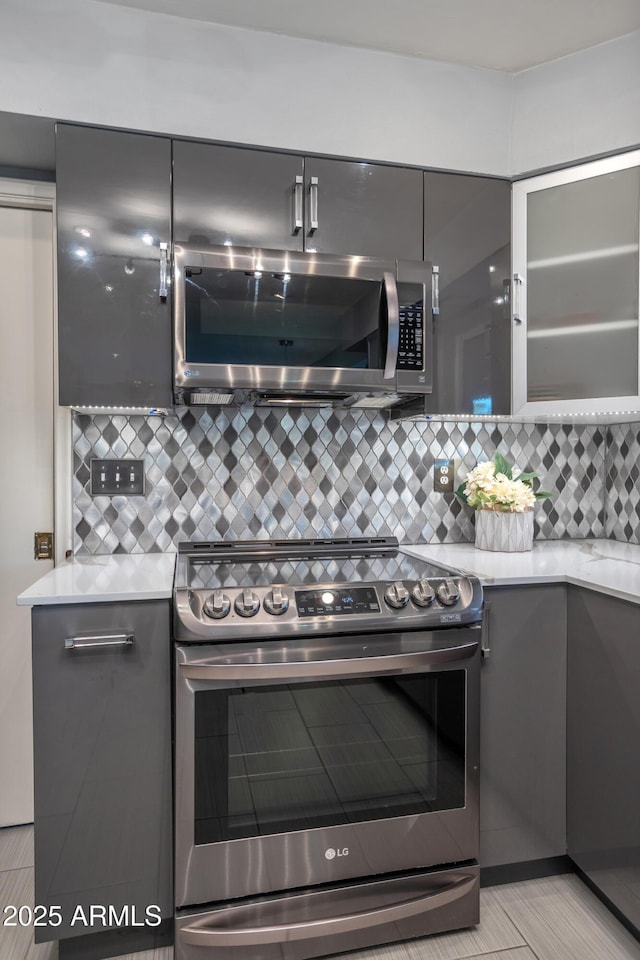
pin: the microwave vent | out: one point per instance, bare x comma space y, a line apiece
377, 403
202, 397
275, 398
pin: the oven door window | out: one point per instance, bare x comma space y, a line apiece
238, 317
275, 759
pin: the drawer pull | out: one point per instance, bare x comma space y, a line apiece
101, 640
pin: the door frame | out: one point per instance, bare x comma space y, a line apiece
41, 195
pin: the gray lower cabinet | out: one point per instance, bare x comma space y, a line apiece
258, 198
102, 762
522, 726
113, 210
603, 737
467, 234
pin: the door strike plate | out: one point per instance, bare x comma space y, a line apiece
43, 546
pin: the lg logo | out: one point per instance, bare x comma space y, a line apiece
331, 854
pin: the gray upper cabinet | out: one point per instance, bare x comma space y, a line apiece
236, 196
113, 201
102, 762
363, 208
256, 198
467, 236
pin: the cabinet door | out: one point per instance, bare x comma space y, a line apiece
237, 196
364, 209
113, 211
102, 761
467, 230
522, 726
603, 731
575, 246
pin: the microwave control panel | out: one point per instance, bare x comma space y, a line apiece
411, 346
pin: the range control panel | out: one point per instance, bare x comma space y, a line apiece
278, 611
314, 603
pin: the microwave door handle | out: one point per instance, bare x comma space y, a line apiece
393, 325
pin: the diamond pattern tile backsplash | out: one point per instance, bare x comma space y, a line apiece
250, 473
622, 471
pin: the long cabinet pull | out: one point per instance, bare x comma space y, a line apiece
99, 641
435, 291
313, 205
485, 641
298, 188
202, 933
163, 289
517, 287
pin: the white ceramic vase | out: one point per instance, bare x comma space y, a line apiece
504, 531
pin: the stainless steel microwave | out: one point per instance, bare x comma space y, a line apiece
277, 326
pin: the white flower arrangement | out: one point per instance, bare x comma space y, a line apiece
495, 485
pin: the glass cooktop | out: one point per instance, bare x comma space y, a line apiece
297, 563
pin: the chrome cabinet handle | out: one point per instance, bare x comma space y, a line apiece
199, 933
99, 641
517, 285
485, 648
328, 668
435, 291
297, 206
313, 205
393, 329
163, 290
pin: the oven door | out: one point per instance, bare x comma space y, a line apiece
309, 761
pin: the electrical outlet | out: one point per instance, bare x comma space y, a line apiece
443, 472
117, 478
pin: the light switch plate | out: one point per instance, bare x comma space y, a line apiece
443, 473
113, 478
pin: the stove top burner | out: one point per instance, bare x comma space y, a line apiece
269, 588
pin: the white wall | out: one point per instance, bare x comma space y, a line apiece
98, 63
577, 107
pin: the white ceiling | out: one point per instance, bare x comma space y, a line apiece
508, 35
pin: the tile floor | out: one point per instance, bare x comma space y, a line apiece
557, 918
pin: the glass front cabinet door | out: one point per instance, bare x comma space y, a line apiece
575, 289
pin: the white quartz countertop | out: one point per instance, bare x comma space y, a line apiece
604, 565
104, 578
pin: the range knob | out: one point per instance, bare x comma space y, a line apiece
217, 605
423, 594
276, 602
247, 604
397, 595
447, 593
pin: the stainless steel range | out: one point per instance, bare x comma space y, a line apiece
327, 713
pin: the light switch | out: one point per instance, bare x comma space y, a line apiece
117, 478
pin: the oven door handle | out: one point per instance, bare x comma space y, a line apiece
201, 934
328, 668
